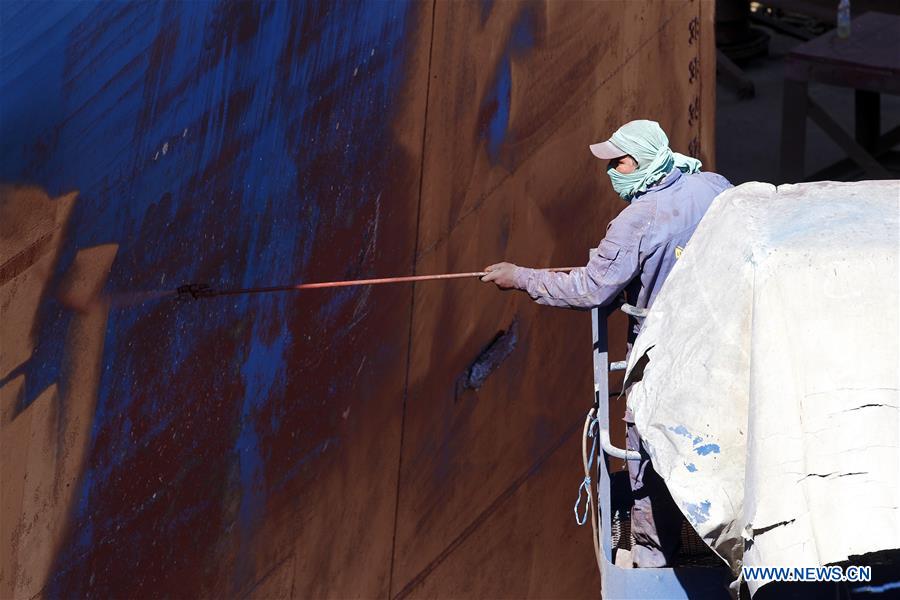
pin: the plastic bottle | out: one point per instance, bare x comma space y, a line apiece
843, 19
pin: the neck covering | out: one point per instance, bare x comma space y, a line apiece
646, 142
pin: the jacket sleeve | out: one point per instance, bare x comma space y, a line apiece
611, 267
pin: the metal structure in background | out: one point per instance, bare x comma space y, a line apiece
866, 62
688, 582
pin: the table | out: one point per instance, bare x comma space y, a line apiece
869, 62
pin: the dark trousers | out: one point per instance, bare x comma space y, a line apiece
655, 518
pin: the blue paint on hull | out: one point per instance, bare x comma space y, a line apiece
496, 104
223, 142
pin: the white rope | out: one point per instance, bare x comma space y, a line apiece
590, 424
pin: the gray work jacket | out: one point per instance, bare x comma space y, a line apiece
639, 250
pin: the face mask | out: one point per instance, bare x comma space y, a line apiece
626, 185
646, 142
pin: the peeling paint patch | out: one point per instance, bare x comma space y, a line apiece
698, 513
691, 467
696, 440
490, 358
706, 449
681, 430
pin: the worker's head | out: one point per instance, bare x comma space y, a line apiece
639, 156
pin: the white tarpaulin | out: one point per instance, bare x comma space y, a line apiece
769, 403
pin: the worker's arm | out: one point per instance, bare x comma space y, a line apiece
610, 269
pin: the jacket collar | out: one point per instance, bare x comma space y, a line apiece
673, 176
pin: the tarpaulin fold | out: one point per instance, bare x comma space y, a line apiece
769, 397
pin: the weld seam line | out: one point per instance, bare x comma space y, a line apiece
412, 302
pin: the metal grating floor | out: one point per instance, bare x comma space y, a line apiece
693, 552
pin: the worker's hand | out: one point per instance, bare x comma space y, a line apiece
503, 274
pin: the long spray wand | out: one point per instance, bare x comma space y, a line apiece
202, 290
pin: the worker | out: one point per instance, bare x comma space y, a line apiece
667, 195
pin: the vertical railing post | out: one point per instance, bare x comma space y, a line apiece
601, 401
